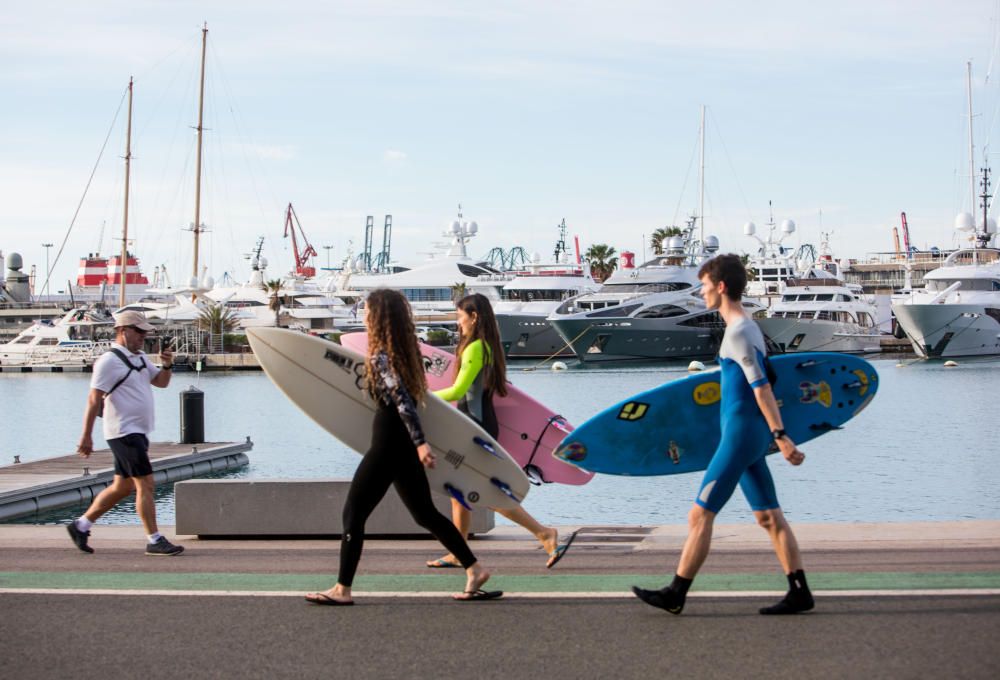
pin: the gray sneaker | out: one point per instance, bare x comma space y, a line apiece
79, 537
163, 547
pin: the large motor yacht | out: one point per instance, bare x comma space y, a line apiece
532, 294
74, 341
653, 311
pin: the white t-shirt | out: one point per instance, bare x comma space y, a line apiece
129, 409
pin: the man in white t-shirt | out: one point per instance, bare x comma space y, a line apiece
121, 385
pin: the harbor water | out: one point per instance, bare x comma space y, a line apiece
925, 449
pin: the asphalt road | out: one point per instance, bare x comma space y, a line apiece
102, 636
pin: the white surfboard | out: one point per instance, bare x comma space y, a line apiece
327, 381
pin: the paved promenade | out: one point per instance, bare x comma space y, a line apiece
893, 600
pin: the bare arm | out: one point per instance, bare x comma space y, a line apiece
86, 445
162, 378
769, 407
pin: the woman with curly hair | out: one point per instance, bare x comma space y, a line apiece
481, 374
398, 453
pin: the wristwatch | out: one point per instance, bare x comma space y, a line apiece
778, 434
167, 368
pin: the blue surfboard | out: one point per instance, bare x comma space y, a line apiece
674, 428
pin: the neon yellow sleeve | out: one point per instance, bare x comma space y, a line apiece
472, 364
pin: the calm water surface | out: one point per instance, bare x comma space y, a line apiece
925, 449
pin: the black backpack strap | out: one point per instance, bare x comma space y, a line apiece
131, 367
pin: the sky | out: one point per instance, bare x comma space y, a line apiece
840, 114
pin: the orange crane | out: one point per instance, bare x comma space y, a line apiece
302, 266
906, 236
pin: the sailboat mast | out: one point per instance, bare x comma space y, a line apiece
972, 162
701, 181
200, 128
123, 262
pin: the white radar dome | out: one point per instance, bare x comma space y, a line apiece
193, 282
14, 261
711, 243
536, 257
991, 225
964, 222
208, 283
263, 263
473, 227
455, 227
788, 226
749, 229
676, 243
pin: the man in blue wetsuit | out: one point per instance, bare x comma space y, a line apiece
750, 422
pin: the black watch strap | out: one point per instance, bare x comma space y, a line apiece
778, 434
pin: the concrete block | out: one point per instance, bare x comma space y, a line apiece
292, 507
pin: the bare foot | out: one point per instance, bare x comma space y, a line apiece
477, 578
446, 562
333, 596
551, 540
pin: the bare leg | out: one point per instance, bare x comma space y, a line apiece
698, 543
782, 537
462, 519
144, 505
120, 488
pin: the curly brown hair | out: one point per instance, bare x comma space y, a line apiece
487, 330
390, 330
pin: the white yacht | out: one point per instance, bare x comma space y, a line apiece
653, 311
531, 295
74, 341
431, 287
957, 313
773, 264
818, 312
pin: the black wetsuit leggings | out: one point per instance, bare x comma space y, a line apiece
392, 459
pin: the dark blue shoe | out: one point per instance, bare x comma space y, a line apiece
79, 537
163, 547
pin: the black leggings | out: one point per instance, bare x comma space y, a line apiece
392, 459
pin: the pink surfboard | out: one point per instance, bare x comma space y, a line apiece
529, 432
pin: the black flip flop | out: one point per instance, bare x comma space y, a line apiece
560, 551
328, 601
480, 594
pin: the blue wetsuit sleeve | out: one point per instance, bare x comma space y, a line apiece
394, 391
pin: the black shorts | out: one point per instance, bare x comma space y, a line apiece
131, 455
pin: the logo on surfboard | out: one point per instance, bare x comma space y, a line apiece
573, 452
436, 365
813, 393
634, 410
707, 394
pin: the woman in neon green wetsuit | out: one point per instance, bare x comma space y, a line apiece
481, 374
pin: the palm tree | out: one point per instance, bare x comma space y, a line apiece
601, 259
217, 316
661, 235
273, 288
458, 291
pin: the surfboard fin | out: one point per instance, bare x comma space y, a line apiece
809, 363
824, 427
505, 488
458, 496
487, 446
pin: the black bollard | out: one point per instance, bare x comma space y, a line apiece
192, 416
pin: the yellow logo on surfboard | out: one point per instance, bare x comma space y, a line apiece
816, 393
707, 394
863, 379
634, 410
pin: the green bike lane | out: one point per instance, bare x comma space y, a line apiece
528, 584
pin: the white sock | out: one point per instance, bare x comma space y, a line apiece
154, 537
83, 524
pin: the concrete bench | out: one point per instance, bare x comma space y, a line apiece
292, 507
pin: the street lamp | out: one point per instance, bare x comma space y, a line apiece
328, 249
47, 273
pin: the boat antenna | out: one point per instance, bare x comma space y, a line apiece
972, 162
701, 209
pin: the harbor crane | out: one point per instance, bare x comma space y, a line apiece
302, 266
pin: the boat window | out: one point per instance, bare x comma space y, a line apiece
824, 297
807, 298
614, 311
825, 315
996, 285
427, 294
24, 341
49, 341
710, 320
789, 298
847, 317
661, 312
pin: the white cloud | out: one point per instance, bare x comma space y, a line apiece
394, 156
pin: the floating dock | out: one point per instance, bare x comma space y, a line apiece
36, 486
